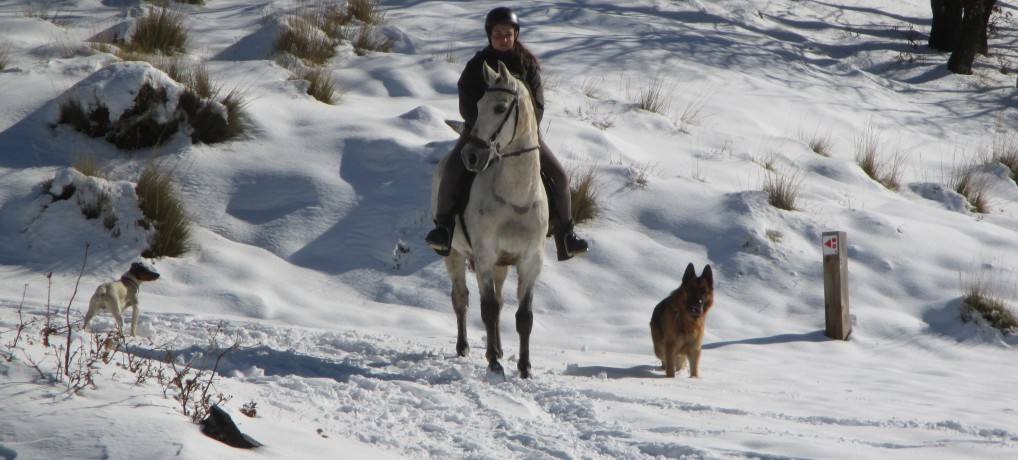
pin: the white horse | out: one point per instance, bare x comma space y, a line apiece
506, 219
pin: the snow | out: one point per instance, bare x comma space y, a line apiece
347, 343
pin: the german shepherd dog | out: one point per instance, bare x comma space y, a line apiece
678, 322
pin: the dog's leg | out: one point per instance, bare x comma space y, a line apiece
671, 354
694, 362
118, 315
134, 317
94, 305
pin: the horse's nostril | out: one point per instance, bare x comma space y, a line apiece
473, 159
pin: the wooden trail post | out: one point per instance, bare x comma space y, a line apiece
835, 250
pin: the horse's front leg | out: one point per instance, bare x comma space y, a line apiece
491, 309
527, 273
455, 264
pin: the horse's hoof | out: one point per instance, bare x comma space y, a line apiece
462, 350
524, 371
496, 368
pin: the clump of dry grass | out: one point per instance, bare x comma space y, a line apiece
302, 39
366, 11
47, 11
322, 86
584, 195
655, 97
693, 113
6, 50
371, 39
783, 189
1005, 152
164, 209
972, 185
819, 141
89, 165
868, 155
985, 296
161, 30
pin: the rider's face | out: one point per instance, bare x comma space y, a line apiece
503, 37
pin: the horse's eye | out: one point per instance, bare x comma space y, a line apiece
500, 109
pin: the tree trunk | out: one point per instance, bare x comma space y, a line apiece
973, 29
947, 16
984, 46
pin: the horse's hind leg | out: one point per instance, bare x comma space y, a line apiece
455, 265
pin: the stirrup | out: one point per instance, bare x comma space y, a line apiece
568, 245
440, 239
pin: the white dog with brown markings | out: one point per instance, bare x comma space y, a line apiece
117, 296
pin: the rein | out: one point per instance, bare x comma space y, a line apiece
513, 108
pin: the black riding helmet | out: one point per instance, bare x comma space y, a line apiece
501, 15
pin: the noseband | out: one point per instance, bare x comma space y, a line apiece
514, 109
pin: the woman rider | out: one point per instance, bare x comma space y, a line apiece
502, 27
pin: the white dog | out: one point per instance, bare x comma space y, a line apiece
117, 296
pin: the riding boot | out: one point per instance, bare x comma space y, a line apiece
567, 244
440, 238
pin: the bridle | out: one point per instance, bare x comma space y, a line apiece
514, 109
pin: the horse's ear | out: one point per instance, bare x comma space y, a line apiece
503, 71
489, 74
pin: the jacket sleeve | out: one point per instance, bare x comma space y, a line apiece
471, 90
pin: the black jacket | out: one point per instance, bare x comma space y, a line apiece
472, 86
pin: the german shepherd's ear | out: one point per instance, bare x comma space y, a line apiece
708, 275
690, 273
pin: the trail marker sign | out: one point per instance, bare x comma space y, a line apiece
838, 321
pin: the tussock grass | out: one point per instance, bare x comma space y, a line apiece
163, 208
366, 11
371, 39
640, 173
783, 189
92, 121
984, 296
305, 41
869, 148
693, 114
161, 30
968, 183
47, 11
584, 195
819, 140
6, 52
1003, 151
322, 86
655, 97
591, 87
89, 165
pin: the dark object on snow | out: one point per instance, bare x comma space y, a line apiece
219, 426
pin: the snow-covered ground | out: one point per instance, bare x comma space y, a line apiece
348, 344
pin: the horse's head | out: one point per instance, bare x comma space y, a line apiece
498, 114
